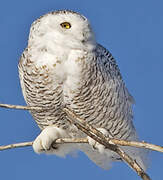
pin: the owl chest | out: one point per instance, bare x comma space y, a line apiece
48, 85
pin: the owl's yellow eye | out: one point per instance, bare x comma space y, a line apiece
66, 25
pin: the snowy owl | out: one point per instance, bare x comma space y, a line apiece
63, 65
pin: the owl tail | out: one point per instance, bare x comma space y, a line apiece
139, 155
105, 160
102, 160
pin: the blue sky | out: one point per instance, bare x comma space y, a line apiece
133, 32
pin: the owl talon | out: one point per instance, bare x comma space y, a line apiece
95, 145
54, 146
45, 141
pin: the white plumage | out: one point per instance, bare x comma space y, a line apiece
64, 66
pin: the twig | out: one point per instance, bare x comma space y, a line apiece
84, 140
58, 141
123, 155
137, 144
99, 137
20, 107
17, 145
111, 141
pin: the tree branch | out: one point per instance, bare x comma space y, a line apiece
10, 106
100, 138
58, 141
17, 145
137, 144
84, 140
96, 135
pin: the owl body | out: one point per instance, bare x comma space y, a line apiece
66, 67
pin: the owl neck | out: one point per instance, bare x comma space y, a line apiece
41, 54
47, 51
55, 43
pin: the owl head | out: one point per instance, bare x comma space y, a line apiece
63, 28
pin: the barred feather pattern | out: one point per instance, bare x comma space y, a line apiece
95, 92
39, 89
101, 98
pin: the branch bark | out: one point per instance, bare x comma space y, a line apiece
96, 135
100, 138
10, 106
58, 141
84, 140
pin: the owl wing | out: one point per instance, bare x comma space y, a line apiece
110, 70
120, 101
40, 88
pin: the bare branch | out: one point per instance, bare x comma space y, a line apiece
137, 144
20, 107
58, 141
96, 135
111, 141
99, 137
17, 145
85, 140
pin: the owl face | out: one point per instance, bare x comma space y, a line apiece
63, 28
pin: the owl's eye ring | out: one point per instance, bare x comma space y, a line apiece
66, 25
